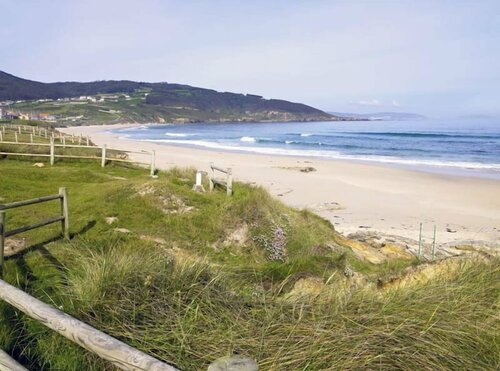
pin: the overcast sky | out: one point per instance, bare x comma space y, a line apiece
438, 58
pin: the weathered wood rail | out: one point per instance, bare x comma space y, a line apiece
118, 353
228, 183
63, 218
10, 364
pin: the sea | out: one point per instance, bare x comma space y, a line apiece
466, 147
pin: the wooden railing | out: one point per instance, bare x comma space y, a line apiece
228, 183
118, 353
10, 364
63, 218
40, 132
104, 158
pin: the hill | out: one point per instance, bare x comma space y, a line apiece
129, 101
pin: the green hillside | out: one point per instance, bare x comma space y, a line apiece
128, 101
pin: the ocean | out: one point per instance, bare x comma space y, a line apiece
469, 147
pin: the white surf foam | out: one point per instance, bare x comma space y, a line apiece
248, 139
178, 135
332, 155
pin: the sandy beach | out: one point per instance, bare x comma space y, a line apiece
355, 197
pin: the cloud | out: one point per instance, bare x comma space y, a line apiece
370, 102
395, 103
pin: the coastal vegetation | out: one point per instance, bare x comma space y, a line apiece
189, 277
128, 101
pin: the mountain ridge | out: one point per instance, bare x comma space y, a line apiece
155, 102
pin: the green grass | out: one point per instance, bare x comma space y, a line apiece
201, 295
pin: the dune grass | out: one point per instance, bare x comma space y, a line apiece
180, 286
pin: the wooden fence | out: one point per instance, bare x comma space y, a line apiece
39, 132
104, 158
227, 183
120, 354
63, 218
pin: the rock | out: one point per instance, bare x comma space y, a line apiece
348, 272
449, 230
307, 169
14, 245
238, 236
327, 206
122, 230
363, 250
111, 219
234, 363
39, 164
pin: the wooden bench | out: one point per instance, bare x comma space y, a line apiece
227, 183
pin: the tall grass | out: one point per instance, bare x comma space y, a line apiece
194, 298
188, 314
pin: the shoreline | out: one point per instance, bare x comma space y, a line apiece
355, 196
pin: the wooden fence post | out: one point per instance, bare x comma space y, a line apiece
420, 241
2, 240
52, 151
198, 186
64, 212
153, 160
103, 159
31, 138
15, 134
229, 184
87, 141
434, 243
211, 177
1, 136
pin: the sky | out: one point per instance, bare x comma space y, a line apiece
439, 58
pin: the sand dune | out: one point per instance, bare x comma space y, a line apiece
354, 196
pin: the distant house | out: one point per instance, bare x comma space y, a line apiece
11, 115
44, 116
